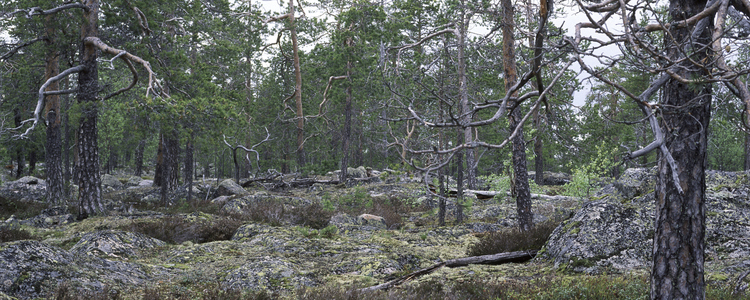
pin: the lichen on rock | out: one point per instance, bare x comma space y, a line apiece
115, 243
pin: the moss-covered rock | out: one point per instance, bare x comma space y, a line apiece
26, 189
228, 187
267, 274
345, 222
115, 243
32, 269
111, 183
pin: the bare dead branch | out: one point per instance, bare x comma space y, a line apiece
276, 18
251, 149
37, 11
328, 87
685, 23
152, 83
15, 50
40, 100
142, 21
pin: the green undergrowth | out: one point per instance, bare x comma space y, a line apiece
9, 234
176, 229
21, 210
548, 287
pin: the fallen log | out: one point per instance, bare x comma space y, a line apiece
490, 259
489, 194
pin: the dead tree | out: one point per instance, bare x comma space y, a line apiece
252, 149
461, 112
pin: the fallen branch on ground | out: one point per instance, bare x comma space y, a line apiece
491, 259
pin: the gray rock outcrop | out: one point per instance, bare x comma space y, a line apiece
115, 243
26, 189
362, 222
228, 187
111, 183
29, 268
50, 217
615, 232
267, 274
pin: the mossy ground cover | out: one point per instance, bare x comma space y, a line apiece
333, 266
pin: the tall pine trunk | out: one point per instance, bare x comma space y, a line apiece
521, 180
301, 155
679, 238
53, 153
347, 123
88, 148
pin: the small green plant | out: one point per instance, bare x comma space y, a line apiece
585, 176
307, 232
327, 202
329, 232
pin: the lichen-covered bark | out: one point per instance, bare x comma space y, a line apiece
679, 243
88, 147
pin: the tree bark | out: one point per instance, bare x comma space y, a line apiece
679, 238
747, 140
189, 163
158, 172
347, 121
463, 90
460, 181
521, 180
88, 148
19, 146
538, 144
139, 157
53, 153
66, 144
301, 156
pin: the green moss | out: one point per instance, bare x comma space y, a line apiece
570, 224
575, 230
581, 262
717, 277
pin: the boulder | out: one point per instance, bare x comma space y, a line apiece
636, 182
551, 178
115, 243
26, 189
271, 274
604, 234
359, 172
134, 181
228, 187
146, 183
345, 222
50, 217
111, 183
248, 231
615, 233
32, 269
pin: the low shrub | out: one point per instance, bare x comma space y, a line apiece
9, 234
514, 239
22, 210
314, 216
176, 229
66, 291
267, 211
620, 287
